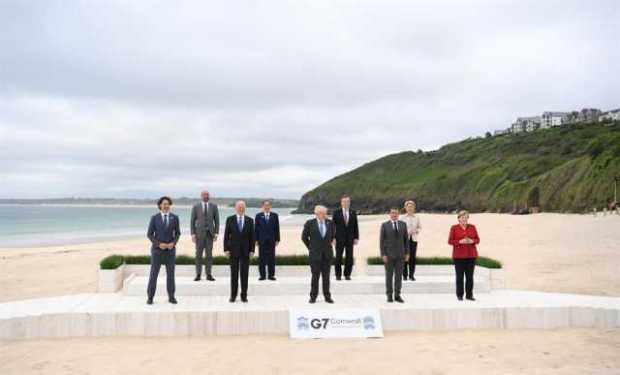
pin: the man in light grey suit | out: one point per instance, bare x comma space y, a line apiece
205, 226
394, 251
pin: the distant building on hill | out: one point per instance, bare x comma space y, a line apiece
589, 115
501, 132
551, 119
613, 115
525, 124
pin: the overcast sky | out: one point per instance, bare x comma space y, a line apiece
142, 98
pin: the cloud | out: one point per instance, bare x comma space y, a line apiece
270, 99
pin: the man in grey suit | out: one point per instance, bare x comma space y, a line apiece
394, 251
205, 225
319, 236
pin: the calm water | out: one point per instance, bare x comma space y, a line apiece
35, 225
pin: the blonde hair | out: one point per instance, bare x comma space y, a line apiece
407, 203
318, 208
462, 213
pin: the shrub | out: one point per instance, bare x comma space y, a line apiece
441, 261
111, 262
115, 261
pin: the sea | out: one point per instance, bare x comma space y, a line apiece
27, 225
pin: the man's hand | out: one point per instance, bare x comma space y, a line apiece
163, 246
215, 237
355, 242
407, 258
385, 259
277, 243
227, 253
193, 238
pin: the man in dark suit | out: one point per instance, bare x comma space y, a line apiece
347, 235
239, 247
163, 232
393, 242
318, 236
267, 238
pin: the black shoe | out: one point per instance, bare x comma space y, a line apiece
390, 299
312, 300
197, 278
210, 278
232, 299
412, 278
404, 278
272, 278
329, 300
244, 299
262, 278
460, 298
338, 278
399, 299
149, 301
471, 298
172, 300
347, 278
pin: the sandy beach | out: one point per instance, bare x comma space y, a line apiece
546, 252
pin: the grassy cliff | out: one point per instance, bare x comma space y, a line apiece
570, 168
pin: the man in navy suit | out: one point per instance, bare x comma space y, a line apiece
164, 232
267, 238
239, 247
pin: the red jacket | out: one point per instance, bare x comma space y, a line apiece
457, 233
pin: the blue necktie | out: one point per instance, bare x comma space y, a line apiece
240, 223
322, 228
166, 221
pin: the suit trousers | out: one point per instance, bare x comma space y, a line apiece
465, 268
393, 275
204, 246
320, 269
409, 267
239, 269
347, 249
159, 257
267, 259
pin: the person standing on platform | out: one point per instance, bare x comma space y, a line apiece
239, 245
464, 238
347, 235
413, 229
163, 232
267, 238
318, 236
393, 244
204, 226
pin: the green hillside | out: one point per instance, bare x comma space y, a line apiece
571, 168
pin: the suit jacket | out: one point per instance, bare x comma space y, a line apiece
239, 243
267, 231
393, 244
318, 247
200, 224
346, 233
158, 232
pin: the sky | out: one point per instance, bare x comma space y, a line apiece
135, 99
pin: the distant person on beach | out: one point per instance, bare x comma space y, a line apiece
239, 245
204, 225
164, 232
267, 238
318, 236
464, 238
413, 229
347, 235
394, 247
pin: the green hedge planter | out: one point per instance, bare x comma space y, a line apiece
441, 261
114, 261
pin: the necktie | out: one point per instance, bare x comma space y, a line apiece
322, 228
346, 218
267, 217
395, 227
240, 223
166, 220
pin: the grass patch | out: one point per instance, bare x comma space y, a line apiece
441, 261
114, 261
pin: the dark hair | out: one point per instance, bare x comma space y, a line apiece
267, 201
394, 208
345, 196
162, 199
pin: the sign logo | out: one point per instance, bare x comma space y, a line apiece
335, 323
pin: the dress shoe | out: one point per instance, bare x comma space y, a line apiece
399, 299
262, 278
149, 301
460, 298
412, 278
197, 278
471, 298
338, 278
404, 278
312, 300
172, 300
329, 300
347, 278
272, 278
232, 299
390, 299
210, 278
244, 299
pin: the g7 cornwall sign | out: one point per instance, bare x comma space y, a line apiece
335, 323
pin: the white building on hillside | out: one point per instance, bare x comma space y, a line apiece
613, 115
525, 124
550, 119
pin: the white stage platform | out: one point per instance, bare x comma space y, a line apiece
113, 314
300, 285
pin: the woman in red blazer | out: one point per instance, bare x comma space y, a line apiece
464, 238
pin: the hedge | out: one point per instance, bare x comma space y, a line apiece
446, 261
114, 261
